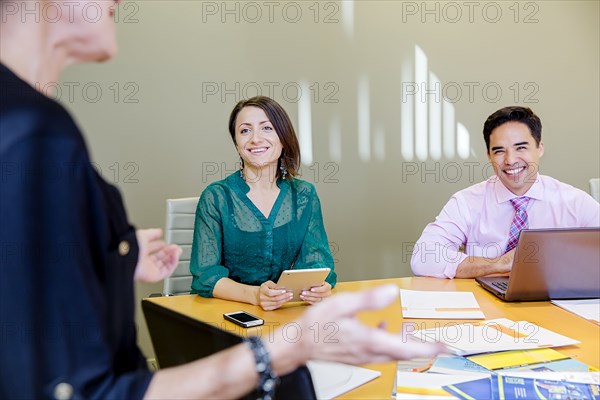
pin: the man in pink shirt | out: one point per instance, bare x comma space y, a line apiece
477, 229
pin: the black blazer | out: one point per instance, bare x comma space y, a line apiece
67, 260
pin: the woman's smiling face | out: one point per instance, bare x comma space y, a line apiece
256, 140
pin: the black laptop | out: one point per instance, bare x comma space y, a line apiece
178, 339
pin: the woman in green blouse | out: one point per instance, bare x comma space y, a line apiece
259, 221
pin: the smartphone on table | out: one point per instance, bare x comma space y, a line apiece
243, 319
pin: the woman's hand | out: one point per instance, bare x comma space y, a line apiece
316, 293
345, 339
156, 259
270, 298
335, 334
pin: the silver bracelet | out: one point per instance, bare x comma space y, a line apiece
267, 379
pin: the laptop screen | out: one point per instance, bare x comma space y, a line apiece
554, 264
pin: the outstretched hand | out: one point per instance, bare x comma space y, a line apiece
343, 338
156, 260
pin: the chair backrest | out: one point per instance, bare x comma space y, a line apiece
595, 188
180, 230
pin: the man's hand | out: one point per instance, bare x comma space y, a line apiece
505, 261
473, 267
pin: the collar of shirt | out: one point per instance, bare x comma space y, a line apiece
536, 191
239, 182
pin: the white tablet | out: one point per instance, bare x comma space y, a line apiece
297, 280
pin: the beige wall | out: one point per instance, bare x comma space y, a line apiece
165, 142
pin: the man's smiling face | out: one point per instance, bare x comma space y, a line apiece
515, 156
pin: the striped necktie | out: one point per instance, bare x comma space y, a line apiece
519, 221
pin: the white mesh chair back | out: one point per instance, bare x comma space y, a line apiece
595, 188
180, 230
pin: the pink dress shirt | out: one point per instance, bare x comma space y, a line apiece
479, 218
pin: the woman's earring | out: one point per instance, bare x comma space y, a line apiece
242, 168
283, 170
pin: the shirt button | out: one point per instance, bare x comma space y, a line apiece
269, 233
124, 248
63, 391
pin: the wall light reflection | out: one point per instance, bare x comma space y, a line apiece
305, 125
364, 120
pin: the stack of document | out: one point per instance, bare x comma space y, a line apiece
501, 385
439, 305
579, 377
536, 386
492, 336
542, 360
493, 359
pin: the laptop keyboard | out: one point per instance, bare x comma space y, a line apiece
500, 285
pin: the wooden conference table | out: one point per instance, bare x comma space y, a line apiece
542, 313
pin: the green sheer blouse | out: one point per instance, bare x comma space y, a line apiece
232, 237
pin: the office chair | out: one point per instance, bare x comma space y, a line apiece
180, 230
595, 188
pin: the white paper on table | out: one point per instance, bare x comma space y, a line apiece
439, 305
416, 384
493, 335
588, 308
331, 379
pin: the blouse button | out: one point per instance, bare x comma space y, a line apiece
63, 391
124, 248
